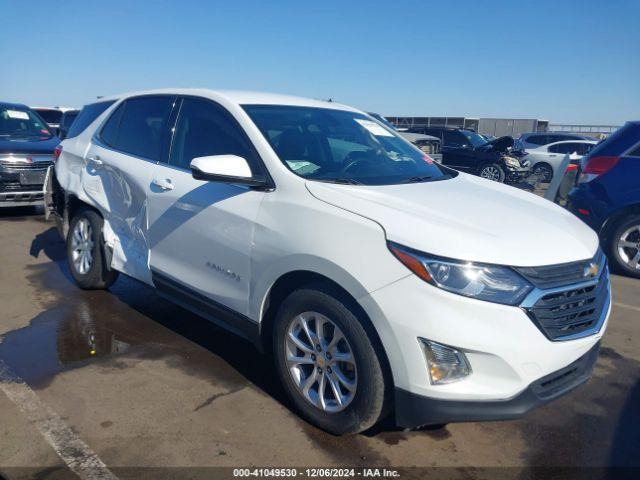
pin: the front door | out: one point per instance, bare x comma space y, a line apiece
201, 232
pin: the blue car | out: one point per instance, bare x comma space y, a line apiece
607, 196
27, 147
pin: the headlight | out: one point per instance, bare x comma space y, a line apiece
492, 283
512, 162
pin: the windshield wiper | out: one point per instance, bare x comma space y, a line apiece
417, 179
343, 181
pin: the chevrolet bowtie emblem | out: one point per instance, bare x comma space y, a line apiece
591, 271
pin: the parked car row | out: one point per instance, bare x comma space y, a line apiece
429, 144
467, 151
51, 115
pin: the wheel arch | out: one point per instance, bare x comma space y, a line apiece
73, 204
296, 279
612, 220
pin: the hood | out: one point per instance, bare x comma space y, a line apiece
416, 137
29, 146
468, 218
501, 144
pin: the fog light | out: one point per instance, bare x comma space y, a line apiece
446, 364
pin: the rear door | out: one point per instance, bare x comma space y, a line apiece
201, 232
117, 174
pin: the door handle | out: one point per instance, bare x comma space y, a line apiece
95, 159
163, 184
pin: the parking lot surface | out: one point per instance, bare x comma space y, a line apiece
123, 378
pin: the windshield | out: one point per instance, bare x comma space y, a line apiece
49, 115
476, 140
383, 120
343, 147
16, 123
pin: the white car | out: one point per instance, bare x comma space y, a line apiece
375, 276
546, 160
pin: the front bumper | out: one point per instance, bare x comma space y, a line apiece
507, 351
22, 185
513, 174
21, 199
414, 410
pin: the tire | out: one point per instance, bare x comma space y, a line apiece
364, 405
492, 171
544, 170
93, 274
625, 257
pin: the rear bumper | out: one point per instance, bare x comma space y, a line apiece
592, 211
413, 410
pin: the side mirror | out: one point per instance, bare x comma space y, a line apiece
224, 168
62, 133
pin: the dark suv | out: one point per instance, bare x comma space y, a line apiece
26, 150
607, 196
469, 152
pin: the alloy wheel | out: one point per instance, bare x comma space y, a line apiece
490, 173
543, 171
321, 362
82, 246
629, 247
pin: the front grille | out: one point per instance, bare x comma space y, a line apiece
577, 310
550, 276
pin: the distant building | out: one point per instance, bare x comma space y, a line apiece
497, 127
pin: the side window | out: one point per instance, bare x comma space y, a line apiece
204, 128
86, 117
564, 148
584, 148
109, 133
536, 139
143, 122
453, 138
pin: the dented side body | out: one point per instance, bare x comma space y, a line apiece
116, 189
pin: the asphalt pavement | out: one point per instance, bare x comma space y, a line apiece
123, 384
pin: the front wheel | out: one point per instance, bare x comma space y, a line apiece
327, 362
492, 171
623, 245
544, 172
85, 252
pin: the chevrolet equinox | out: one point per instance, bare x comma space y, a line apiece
380, 281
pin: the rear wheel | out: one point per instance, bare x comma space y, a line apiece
327, 362
85, 252
492, 171
623, 245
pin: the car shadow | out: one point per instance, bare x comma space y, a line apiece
83, 325
20, 214
626, 441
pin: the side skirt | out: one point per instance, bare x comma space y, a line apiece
205, 307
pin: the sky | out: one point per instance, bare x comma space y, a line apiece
563, 61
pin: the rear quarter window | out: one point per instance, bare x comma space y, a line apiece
86, 117
137, 126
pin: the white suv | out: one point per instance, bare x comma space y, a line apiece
379, 280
